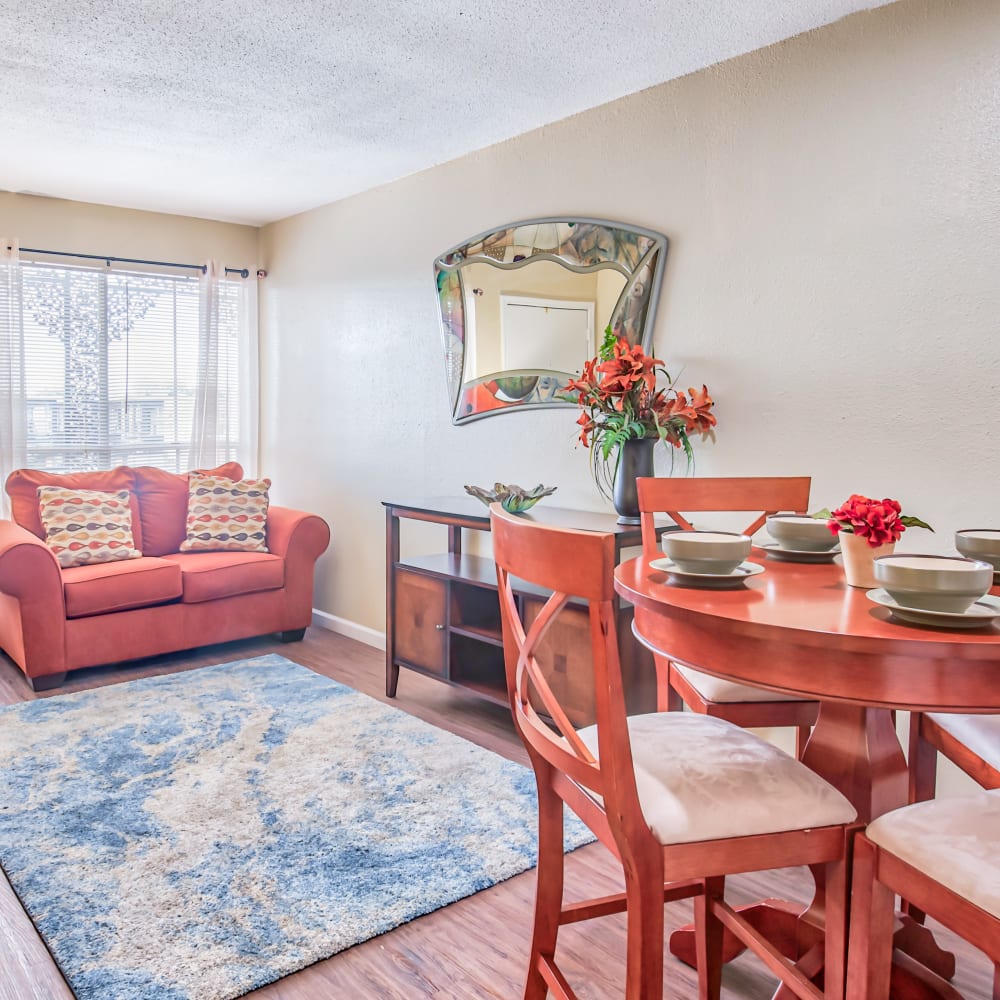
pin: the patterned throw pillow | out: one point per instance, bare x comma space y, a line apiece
86, 526
226, 515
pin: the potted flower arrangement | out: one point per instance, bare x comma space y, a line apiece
624, 414
868, 528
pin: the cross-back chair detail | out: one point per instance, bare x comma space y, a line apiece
578, 762
554, 566
628, 779
681, 684
762, 495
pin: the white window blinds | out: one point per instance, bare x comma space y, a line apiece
111, 367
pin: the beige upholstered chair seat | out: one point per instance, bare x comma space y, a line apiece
718, 689
701, 778
954, 840
980, 733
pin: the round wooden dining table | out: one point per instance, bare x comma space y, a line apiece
800, 629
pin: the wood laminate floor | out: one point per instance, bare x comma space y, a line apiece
471, 950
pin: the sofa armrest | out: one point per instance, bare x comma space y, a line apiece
300, 539
294, 532
28, 567
32, 606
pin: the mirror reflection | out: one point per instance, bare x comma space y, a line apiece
524, 306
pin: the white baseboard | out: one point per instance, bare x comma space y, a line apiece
342, 626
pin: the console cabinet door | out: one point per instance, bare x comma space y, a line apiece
420, 625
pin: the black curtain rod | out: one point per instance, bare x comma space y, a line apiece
241, 271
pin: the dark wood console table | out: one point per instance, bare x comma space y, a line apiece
443, 614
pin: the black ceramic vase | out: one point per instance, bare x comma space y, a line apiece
634, 459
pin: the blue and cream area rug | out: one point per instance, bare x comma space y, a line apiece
199, 835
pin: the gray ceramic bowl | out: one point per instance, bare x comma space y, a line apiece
715, 552
980, 543
934, 583
801, 532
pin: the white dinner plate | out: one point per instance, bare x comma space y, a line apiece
775, 551
984, 612
742, 572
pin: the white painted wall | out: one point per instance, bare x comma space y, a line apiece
834, 277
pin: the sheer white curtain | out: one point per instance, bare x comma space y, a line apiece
12, 408
226, 403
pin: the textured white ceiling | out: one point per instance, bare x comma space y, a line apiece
253, 110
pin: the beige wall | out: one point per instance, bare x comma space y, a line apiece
54, 224
834, 276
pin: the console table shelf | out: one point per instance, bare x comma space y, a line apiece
443, 613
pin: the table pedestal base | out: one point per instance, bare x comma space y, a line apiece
920, 968
776, 919
912, 980
856, 749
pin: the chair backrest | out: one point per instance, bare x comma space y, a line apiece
576, 566
764, 495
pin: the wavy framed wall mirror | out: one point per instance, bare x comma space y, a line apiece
522, 307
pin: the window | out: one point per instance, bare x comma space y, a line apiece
111, 366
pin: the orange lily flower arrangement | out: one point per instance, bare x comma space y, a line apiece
620, 402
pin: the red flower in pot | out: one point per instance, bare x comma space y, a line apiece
878, 521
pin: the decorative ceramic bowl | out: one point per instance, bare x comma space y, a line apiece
980, 543
717, 552
513, 499
934, 583
801, 533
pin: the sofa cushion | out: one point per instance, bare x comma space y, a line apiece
22, 488
226, 516
163, 505
84, 527
118, 586
207, 576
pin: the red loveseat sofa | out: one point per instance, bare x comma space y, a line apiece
55, 619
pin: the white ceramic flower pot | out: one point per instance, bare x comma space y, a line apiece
859, 558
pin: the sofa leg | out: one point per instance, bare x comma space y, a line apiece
48, 682
293, 635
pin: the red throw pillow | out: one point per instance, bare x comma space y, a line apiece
163, 505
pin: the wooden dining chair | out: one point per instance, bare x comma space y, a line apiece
681, 800
677, 683
971, 742
942, 856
